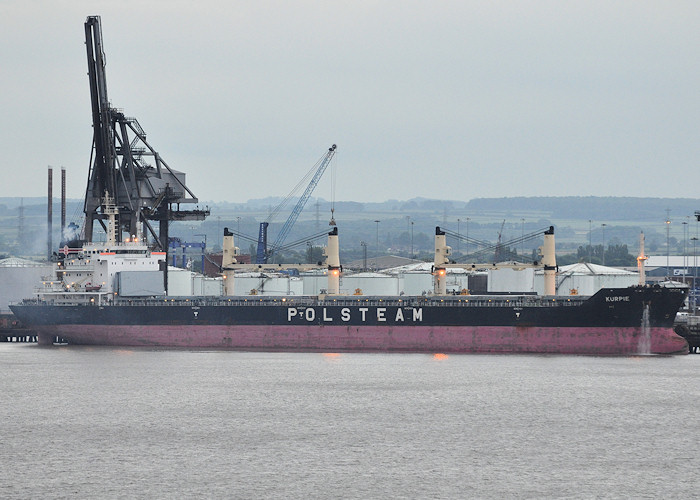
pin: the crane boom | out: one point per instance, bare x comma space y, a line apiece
262, 253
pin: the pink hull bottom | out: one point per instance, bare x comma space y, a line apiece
477, 339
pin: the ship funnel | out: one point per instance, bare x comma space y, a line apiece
442, 253
332, 253
549, 260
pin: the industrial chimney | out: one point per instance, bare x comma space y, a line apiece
49, 214
63, 202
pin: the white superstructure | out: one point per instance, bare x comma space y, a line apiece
91, 273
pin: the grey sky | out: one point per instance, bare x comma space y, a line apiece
452, 100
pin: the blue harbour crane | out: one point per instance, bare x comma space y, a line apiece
263, 253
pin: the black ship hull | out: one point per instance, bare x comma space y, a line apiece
613, 321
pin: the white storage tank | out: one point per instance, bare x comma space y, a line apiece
315, 281
19, 278
267, 284
140, 283
369, 284
587, 279
180, 282
212, 287
506, 280
416, 283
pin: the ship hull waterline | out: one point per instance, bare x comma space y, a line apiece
636, 320
407, 339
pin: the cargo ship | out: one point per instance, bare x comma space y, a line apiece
83, 305
611, 322
116, 293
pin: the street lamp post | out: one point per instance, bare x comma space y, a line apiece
685, 238
376, 260
205, 239
590, 240
364, 255
458, 221
603, 225
695, 272
408, 227
668, 248
468, 219
522, 237
411, 239
203, 249
695, 262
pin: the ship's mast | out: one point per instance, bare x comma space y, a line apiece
549, 261
228, 259
442, 252
641, 259
332, 253
442, 257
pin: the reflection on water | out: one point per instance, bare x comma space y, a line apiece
158, 423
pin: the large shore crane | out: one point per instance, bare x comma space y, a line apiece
263, 253
120, 165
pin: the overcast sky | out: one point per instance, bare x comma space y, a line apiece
455, 100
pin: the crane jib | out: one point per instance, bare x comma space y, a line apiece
263, 253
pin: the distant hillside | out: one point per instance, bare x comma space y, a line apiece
608, 208
592, 207
37, 206
404, 226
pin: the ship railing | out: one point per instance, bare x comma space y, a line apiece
76, 264
64, 296
485, 301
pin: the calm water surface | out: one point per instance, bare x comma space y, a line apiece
121, 423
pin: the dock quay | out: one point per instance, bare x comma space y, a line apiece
12, 330
690, 331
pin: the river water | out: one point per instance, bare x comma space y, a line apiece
81, 422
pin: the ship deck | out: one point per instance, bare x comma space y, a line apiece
510, 301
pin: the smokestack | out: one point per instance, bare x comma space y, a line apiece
50, 214
63, 202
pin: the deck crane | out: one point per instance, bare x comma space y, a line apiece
263, 253
498, 254
485, 247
